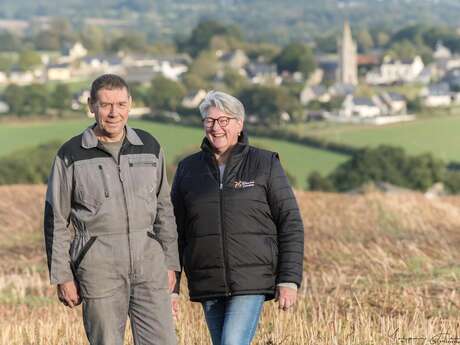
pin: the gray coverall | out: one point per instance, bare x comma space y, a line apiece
124, 239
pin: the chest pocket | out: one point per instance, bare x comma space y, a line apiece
143, 172
92, 184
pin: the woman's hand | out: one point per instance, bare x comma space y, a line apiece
286, 297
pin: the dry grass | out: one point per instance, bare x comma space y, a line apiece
380, 269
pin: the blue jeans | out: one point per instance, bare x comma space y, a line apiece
233, 320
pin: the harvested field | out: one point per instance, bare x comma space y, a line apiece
379, 269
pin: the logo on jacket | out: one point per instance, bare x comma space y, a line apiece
243, 184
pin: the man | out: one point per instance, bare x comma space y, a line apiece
109, 184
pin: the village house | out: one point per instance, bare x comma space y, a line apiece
58, 72
98, 64
361, 107
263, 73
3, 77
193, 99
236, 59
315, 92
71, 53
396, 71
381, 105
436, 95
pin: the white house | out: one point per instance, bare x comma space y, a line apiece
236, 59
59, 72
71, 53
171, 69
3, 78
21, 77
193, 99
437, 95
316, 92
395, 103
360, 107
396, 71
4, 107
99, 64
263, 73
441, 52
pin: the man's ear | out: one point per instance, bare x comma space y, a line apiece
91, 105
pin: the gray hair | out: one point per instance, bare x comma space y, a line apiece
224, 102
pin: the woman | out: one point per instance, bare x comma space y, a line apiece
240, 230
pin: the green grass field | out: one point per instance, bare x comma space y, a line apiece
440, 136
298, 160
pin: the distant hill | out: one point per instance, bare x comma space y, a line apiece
277, 21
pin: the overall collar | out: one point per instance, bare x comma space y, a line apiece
89, 139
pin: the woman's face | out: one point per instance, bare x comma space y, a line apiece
224, 135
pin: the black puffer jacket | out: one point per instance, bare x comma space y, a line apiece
242, 236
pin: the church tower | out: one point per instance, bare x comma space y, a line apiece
347, 71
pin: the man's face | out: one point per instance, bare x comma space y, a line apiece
111, 109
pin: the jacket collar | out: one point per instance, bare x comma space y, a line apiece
89, 139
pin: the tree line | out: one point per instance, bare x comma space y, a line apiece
387, 164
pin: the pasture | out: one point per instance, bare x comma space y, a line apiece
437, 135
177, 140
379, 269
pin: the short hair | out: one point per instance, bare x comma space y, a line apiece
224, 102
108, 82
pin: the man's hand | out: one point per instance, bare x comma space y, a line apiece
175, 305
286, 297
171, 280
68, 294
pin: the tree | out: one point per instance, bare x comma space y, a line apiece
203, 33
28, 165
130, 41
365, 41
382, 39
403, 50
9, 42
36, 99
388, 164
296, 57
327, 43
202, 71
317, 182
61, 98
29, 59
165, 94
14, 96
47, 40
94, 38
267, 102
233, 80
6, 63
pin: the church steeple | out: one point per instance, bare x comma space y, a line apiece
347, 72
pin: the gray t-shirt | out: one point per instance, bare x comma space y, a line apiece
113, 148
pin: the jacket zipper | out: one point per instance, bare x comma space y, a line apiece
104, 181
131, 267
223, 239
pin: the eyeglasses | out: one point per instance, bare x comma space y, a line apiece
222, 121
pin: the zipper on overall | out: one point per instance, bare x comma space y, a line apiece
131, 267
